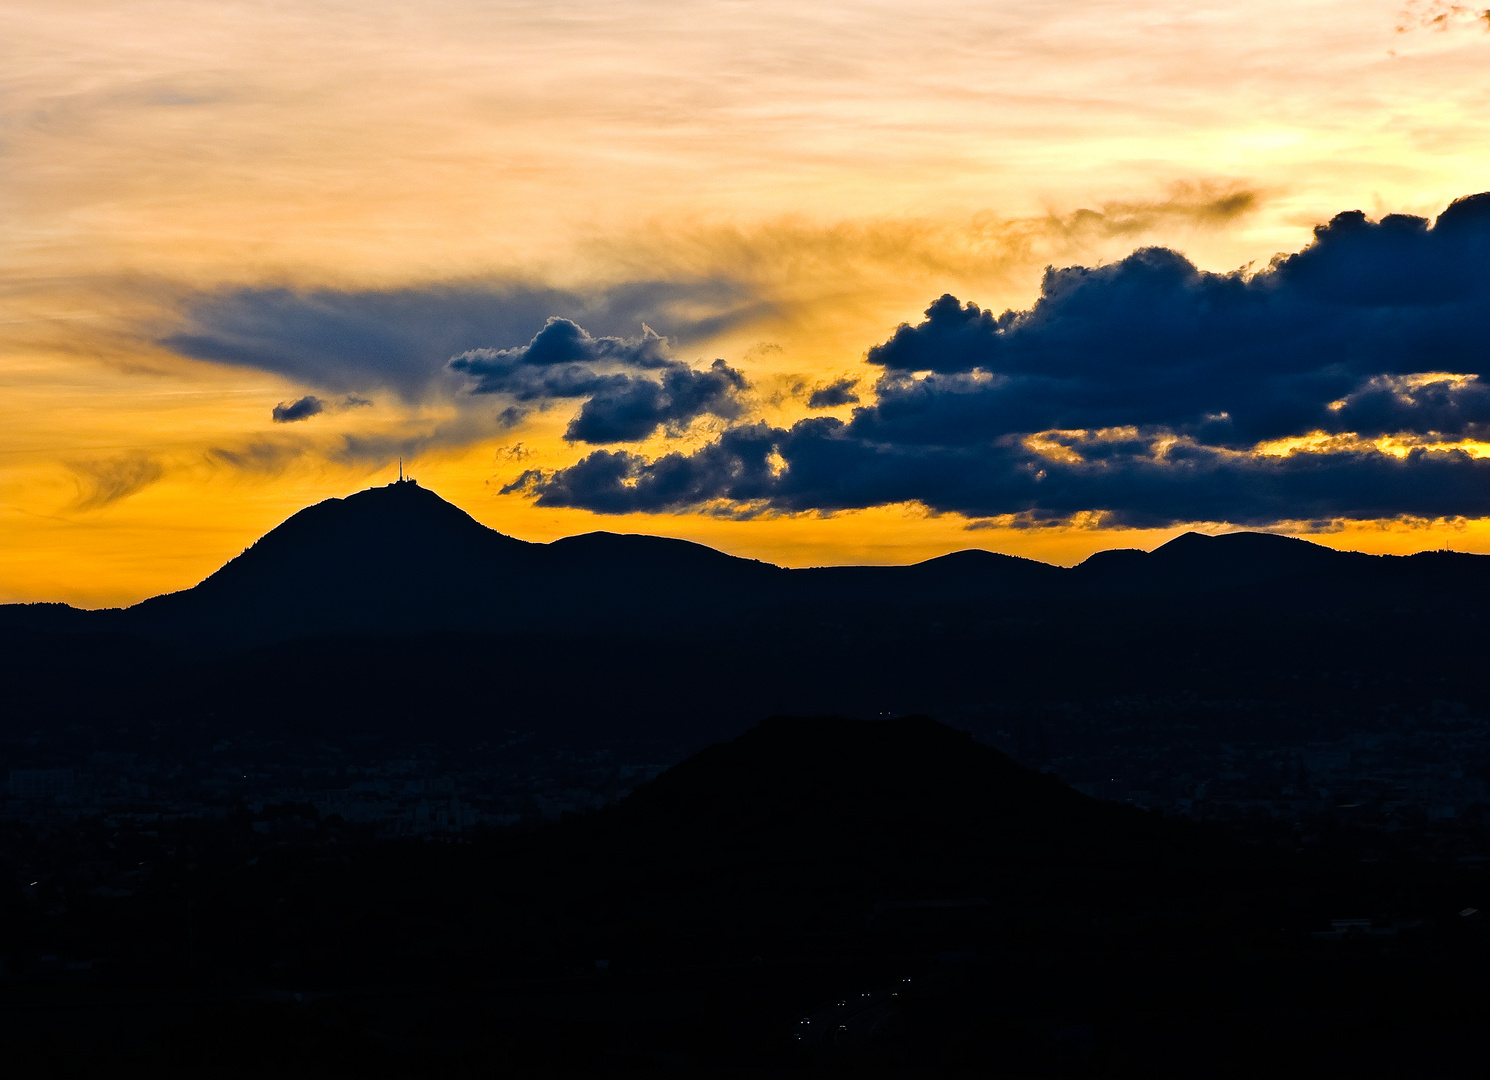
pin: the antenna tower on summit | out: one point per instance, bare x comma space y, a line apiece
400, 470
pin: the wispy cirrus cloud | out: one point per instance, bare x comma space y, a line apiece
796, 267
104, 481
1441, 16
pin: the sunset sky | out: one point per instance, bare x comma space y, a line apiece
252, 253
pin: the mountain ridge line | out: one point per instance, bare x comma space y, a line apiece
400, 559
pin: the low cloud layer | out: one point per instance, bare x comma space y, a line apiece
1148, 391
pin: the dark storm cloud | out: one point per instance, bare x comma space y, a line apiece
565, 361
560, 361
1142, 390
628, 409
834, 394
1228, 359
348, 341
301, 409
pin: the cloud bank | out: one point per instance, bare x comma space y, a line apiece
1148, 392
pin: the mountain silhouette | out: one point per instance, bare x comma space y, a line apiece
392, 558
1195, 562
802, 816
399, 559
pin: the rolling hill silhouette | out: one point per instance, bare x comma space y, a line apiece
400, 560
806, 826
819, 812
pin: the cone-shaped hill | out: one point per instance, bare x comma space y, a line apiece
391, 558
400, 559
801, 817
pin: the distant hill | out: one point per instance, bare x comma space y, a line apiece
1195, 562
903, 805
400, 560
828, 817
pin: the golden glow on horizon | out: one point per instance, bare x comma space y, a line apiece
1399, 447
842, 165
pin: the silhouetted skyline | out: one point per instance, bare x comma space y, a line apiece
923, 540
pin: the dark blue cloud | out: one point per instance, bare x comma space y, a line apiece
628, 409
821, 465
302, 409
563, 360
1225, 358
1142, 390
834, 394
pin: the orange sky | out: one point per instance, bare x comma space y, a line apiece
836, 167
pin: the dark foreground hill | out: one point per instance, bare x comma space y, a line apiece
401, 560
847, 813
806, 829
819, 897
